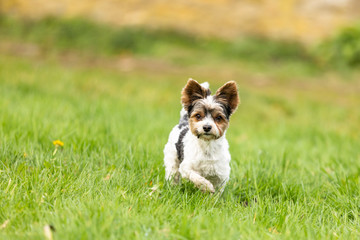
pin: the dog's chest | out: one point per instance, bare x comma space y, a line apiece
209, 161
206, 167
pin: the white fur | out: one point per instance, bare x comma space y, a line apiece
205, 85
171, 161
205, 163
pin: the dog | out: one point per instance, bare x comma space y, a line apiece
197, 149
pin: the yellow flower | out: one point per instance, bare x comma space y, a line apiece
58, 143
273, 230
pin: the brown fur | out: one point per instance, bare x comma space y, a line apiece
199, 108
203, 109
223, 124
225, 103
192, 92
228, 95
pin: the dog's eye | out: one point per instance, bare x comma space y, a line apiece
218, 118
198, 116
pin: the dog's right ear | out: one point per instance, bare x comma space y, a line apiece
191, 92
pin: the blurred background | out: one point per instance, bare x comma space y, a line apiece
307, 21
317, 31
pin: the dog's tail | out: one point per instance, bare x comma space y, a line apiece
183, 113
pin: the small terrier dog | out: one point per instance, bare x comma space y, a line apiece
197, 148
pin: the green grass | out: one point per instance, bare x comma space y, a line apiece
89, 37
343, 49
294, 142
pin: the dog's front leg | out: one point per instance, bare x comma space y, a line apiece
199, 181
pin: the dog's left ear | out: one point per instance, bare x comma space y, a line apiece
228, 95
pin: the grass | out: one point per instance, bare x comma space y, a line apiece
84, 36
294, 143
343, 49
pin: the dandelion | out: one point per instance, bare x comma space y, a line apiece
273, 230
58, 143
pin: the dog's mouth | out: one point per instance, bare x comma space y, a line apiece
206, 136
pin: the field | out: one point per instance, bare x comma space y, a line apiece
294, 143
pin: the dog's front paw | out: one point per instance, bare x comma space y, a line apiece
206, 186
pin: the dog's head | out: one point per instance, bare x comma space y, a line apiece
209, 115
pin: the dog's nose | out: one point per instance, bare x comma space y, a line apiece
207, 128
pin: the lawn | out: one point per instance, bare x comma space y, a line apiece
294, 143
